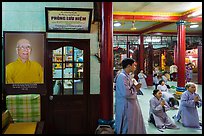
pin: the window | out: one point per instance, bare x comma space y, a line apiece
67, 66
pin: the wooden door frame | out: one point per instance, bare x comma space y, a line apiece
45, 100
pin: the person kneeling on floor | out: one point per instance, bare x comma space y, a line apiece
189, 103
157, 112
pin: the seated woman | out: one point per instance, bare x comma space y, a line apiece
169, 97
155, 80
157, 111
190, 101
165, 80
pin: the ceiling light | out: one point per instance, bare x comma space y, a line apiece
193, 23
117, 24
133, 26
194, 26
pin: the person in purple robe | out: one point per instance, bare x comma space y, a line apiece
128, 114
189, 72
157, 112
141, 79
189, 103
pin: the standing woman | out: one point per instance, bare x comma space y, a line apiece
173, 72
142, 79
189, 72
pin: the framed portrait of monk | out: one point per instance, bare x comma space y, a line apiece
24, 61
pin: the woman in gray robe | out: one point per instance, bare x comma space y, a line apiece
142, 79
188, 113
157, 111
128, 116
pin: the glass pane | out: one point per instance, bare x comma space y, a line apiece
156, 40
78, 87
122, 39
68, 87
57, 55
188, 41
147, 39
68, 53
115, 42
119, 55
157, 46
57, 70
69, 65
134, 52
123, 46
68, 71
169, 42
164, 40
78, 70
57, 87
194, 39
78, 55
174, 38
114, 38
133, 39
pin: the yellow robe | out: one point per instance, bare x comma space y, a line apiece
28, 72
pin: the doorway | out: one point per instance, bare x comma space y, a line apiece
68, 86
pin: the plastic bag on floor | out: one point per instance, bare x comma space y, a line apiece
104, 129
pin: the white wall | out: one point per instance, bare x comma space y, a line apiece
30, 16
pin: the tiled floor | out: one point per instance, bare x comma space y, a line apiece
150, 128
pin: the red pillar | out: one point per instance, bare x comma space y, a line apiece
200, 64
175, 54
106, 73
181, 53
141, 52
149, 78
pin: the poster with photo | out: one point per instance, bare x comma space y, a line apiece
24, 62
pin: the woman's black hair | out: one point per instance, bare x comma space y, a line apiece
161, 81
127, 61
155, 91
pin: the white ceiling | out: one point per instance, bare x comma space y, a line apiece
154, 6
160, 8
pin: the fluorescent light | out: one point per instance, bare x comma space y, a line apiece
194, 26
194, 23
117, 24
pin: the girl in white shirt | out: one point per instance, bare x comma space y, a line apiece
167, 95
